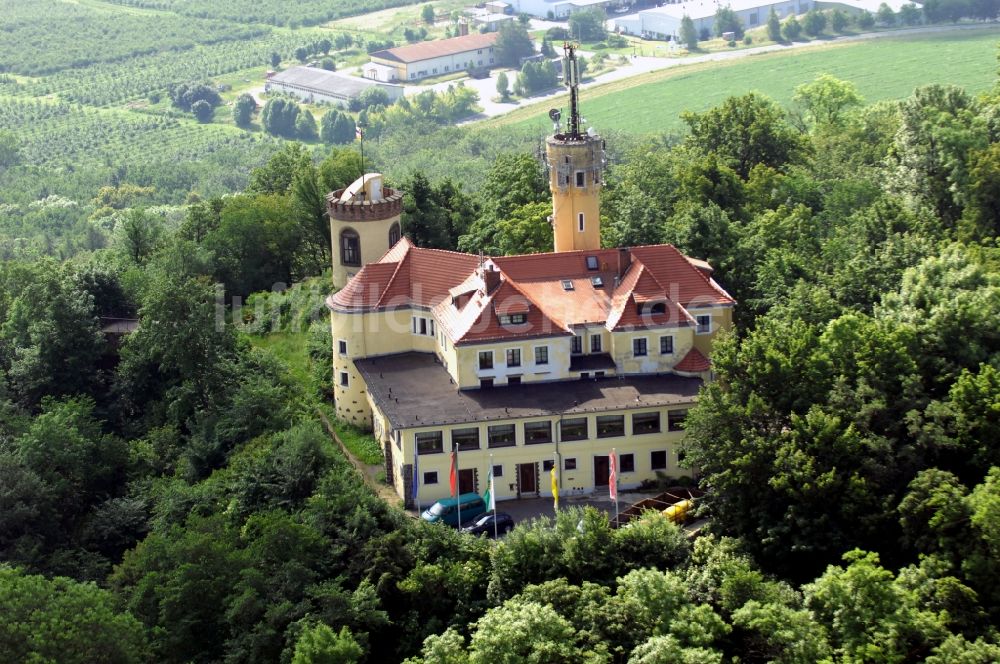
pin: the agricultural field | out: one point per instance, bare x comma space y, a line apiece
46, 36
887, 68
271, 12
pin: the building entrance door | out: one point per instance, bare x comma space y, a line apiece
467, 481
602, 471
527, 479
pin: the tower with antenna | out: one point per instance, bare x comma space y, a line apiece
575, 159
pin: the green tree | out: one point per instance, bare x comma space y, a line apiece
321, 645
499, 635
792, 29
243, 109
302, 54
337, 128
514, 180
814, 22
689, 35
328, 64
885, 15
305, 127
746, 131
279, 117
512, 43
827, 100
909, 14
773, 27
275, 60
427, 14
202, 111
277, 175
526, 231
726, 20
865, 20
503, 86
324, 45
10, 151
839, 21
587, 25
59, 620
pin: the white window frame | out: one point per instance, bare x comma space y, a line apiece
600, 343
342, 343
698, 329
534, 356
672, 340
342, 382
520, 357
493, 362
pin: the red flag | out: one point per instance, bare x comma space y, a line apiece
453, 476
613, 477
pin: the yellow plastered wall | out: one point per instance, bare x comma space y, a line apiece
653, 362
557, 368
365, 335
576, 481
722, 319
398, 66
373, 236
566, 159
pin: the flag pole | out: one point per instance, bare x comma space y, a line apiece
614, 454
493, 503
458, 488
555, 481
416, 477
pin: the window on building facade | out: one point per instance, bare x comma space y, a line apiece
645, 423
350, 248
344, 379
394, 234
675, 420
548, 464
513, 357
342, 347
465, 439
513, 319
658, 460
639, 347
626, 463
501, 435
667, 345
537, 432
592, 262
580, 178
580, 224
431, 477
610, 426
429, 442
574, 428
498, 470
576, 345
485, 359
595, 343
704, 324
569, 464
541, 355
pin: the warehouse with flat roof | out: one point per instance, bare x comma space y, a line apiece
312, 84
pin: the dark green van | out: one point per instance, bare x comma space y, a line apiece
446, 510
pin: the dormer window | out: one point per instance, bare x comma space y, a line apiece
597, 282
567, 284
514, 319
592, 262
658, 308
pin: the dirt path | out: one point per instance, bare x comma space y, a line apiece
369, 473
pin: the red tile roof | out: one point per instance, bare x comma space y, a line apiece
556, 291
693, 362
438, 48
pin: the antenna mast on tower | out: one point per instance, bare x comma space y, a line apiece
571, 77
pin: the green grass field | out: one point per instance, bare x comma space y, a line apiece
887, 68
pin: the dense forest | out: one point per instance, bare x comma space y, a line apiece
172, 495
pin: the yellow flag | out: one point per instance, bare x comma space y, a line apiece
555, 488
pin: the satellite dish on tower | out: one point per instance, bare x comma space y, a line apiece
554, 115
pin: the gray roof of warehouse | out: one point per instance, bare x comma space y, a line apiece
414, 390
322, 81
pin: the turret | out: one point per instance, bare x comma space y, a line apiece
575, 163
364, 224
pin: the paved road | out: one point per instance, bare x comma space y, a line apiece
642, 64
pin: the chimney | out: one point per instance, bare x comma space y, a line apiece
491, 278
624, 261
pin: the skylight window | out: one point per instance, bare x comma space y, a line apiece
597, 281
591, 262
567, 284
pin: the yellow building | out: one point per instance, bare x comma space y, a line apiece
364, 224
524, 362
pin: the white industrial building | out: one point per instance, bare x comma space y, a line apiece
665, 22
313, 85
557, 8
432, 58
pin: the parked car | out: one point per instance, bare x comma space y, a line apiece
489, 524
446, 510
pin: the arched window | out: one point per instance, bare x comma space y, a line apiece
394, 235
350, 248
